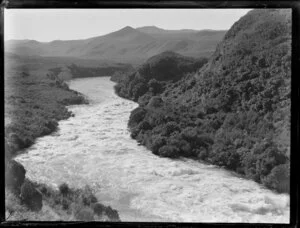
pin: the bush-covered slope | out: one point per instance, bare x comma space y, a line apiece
235, 111
152, 77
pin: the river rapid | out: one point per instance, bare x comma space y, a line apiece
94, 148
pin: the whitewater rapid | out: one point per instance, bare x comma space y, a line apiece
94, 148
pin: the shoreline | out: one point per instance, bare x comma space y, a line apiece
235, 173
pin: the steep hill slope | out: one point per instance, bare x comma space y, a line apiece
127, 45
235, 111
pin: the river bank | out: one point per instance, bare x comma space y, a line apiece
35, 102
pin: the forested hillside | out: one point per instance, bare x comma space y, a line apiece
155, 74
234, 112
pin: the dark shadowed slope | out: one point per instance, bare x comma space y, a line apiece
235, 111
127, 45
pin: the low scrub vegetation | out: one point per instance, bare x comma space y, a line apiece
33, 107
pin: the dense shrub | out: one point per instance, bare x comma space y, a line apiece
170, 127
31, 197
157, 142
155, 86
145, 125
98, 208
15, 140
112, 214
190, 134
101, 210
182, 145
137, 115
14, 175
64, 189
279, 178
201, 153
168, 151
87, 196
155, 102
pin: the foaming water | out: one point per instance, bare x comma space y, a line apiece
95, 148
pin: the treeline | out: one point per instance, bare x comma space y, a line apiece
234, 112
83, 72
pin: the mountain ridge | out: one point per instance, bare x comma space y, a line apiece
126, 45
152, 29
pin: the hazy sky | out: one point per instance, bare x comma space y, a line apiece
72, 24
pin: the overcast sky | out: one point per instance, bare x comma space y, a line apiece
71, 24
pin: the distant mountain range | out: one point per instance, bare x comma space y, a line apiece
127, 45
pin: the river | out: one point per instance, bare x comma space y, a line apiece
94, 148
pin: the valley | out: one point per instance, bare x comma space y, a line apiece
152, 124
